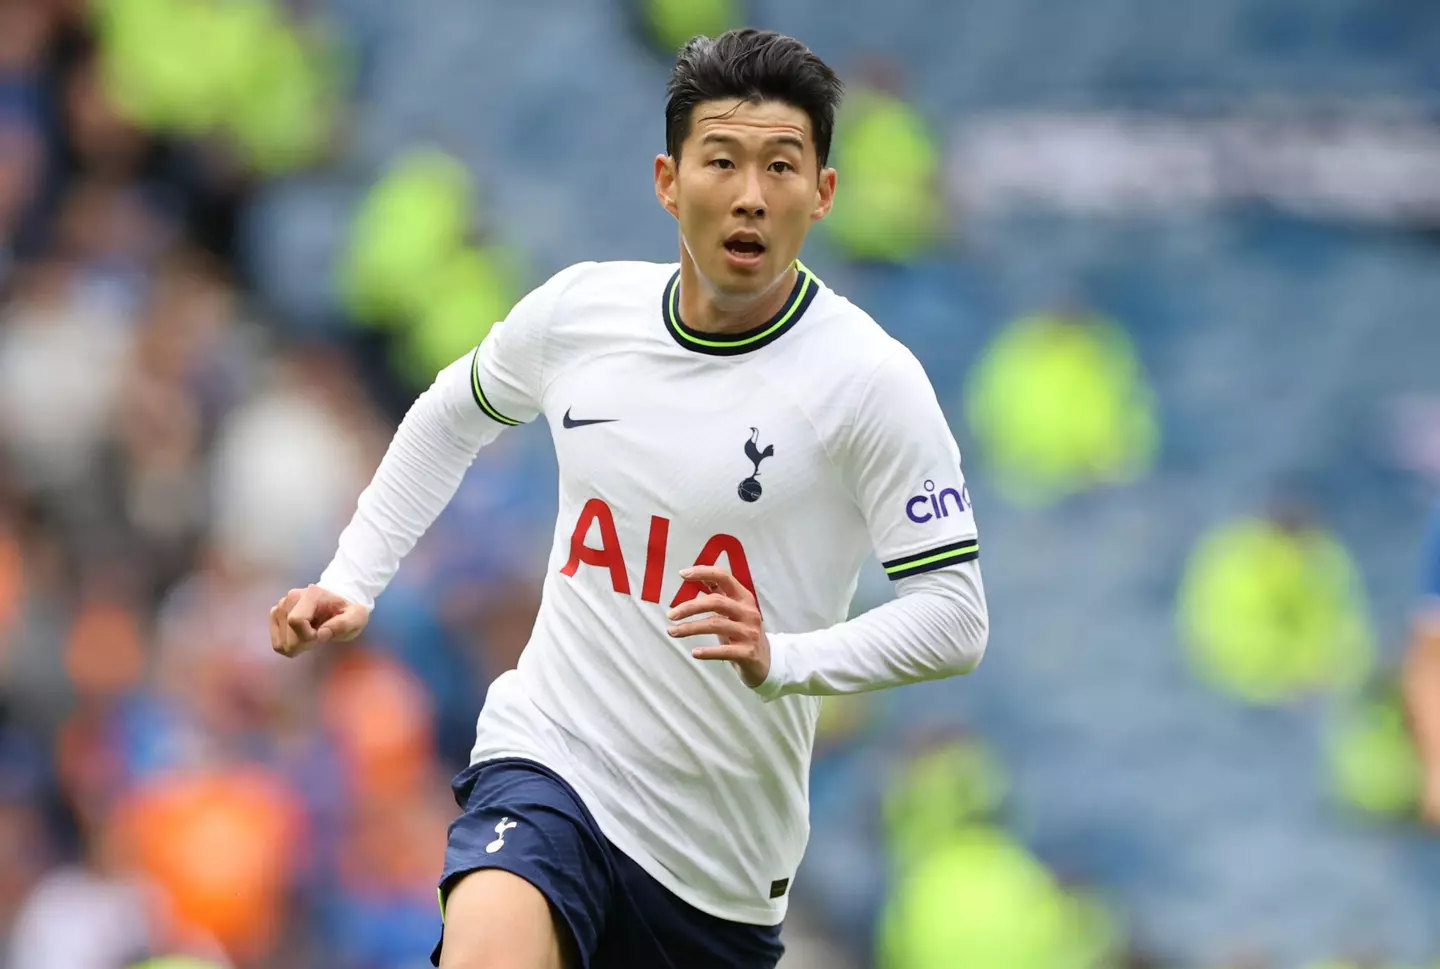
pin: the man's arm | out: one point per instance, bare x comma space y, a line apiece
898, 446
937, 626
497, 386
433, 448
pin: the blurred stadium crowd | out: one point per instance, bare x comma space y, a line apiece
1199, 413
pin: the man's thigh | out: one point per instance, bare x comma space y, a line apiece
494, 919
534, 870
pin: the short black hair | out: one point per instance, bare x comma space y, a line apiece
751, 65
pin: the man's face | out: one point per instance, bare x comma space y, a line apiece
746, 190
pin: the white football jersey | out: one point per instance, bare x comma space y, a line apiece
787, 454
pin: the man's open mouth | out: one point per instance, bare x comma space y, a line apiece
745, 247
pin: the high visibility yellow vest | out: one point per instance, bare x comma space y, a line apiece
1059, 405
672, 23
887, 206
408, 231
1267, 614
978, 900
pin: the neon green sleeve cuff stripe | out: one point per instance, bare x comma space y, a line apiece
479, 394
933, 559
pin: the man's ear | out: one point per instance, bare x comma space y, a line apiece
824, 195
666, 173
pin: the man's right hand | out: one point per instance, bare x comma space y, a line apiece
307, 617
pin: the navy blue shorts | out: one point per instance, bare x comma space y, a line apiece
523, 818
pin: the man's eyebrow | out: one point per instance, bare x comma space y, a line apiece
720, 137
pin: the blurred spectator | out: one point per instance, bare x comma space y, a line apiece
1272, 608
33, 681
978, 898
308, 421
1422, 673
1058, 404
99, 137
285, 106
113, 236
497, 625
947, 783
668, 25
380, 910
21, 157
218, 692
189, 367
25, 27
243, 69
473, 289
114, 914
411, 270
198, 185
223, 844
12, 583
380, 716
88, 915
105, 649
964, 892
1373, 764
411, 222
26, 847
60, 371
887, 208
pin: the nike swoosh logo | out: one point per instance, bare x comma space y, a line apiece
572, 422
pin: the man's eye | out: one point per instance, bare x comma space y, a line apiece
781, 166
723, 163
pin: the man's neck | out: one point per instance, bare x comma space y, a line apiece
705, 310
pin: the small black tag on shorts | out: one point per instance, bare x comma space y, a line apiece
778, 886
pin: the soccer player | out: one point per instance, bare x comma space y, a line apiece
733, 440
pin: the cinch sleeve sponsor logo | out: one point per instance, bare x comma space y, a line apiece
942, 504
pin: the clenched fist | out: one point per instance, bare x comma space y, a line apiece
308, 617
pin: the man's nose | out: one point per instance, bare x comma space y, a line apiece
751, 202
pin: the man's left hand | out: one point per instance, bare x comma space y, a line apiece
734, 617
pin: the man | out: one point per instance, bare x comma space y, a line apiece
637, 794
1422, 676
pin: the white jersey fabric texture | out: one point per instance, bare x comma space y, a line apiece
787, 454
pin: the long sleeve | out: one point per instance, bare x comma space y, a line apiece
433, 448
903, 467
937, 626
499, 385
